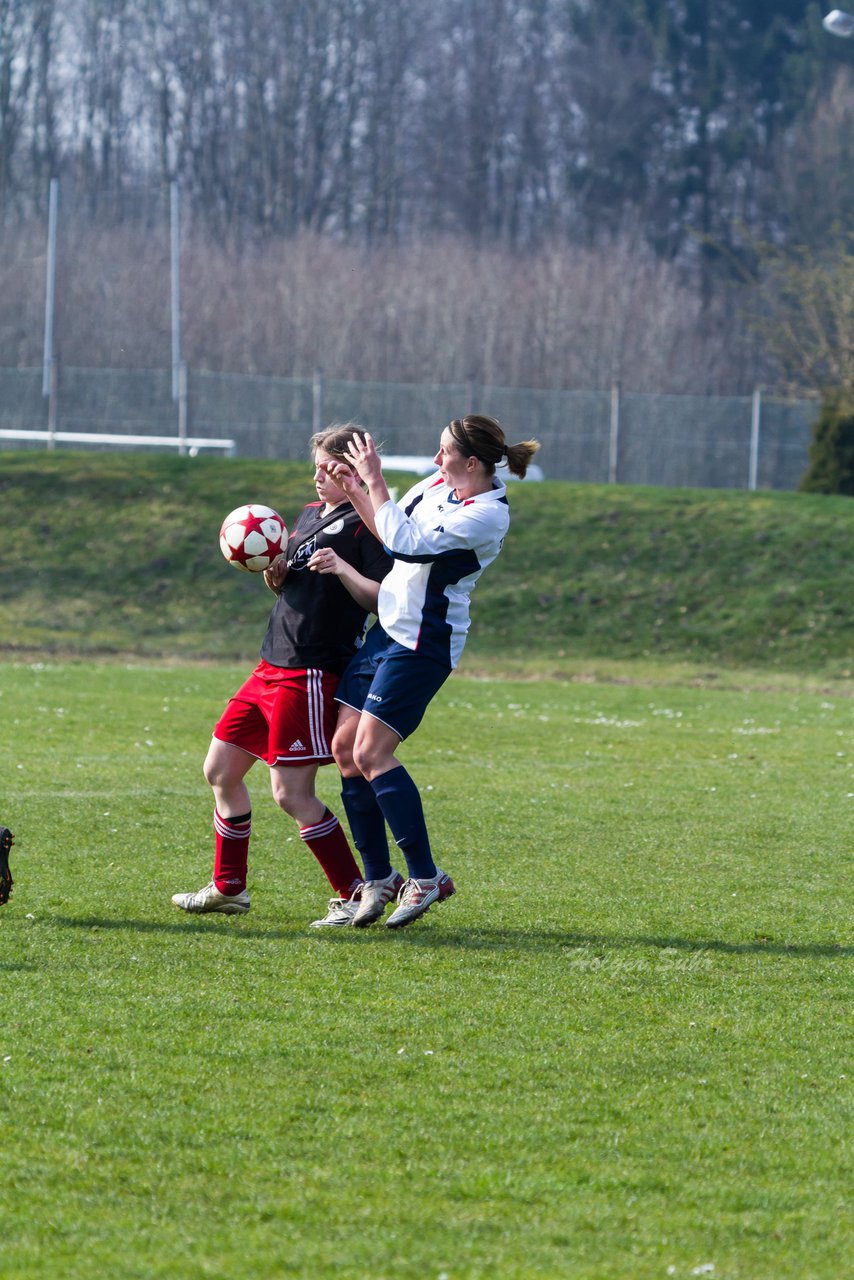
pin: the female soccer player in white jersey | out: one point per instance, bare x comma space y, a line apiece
284, 714
442, 535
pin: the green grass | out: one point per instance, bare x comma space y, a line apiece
118, 553
621, 1051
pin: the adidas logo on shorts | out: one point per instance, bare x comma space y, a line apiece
296, 746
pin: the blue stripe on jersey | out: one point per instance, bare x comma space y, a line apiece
425, 557
434, 634
408, 512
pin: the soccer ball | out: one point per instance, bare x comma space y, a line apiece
252, 536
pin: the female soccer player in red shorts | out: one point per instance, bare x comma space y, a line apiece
326, 584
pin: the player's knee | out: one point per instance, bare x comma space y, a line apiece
283, 797
342, 750
213, 773
280, 796
366, 759
220, 777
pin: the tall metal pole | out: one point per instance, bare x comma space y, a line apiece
614, 435
175, 229
755, 420
49, 379
179, 368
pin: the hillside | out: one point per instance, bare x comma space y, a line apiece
117, 553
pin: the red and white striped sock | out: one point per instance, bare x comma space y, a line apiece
328, 843
232, 852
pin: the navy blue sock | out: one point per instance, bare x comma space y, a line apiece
400, 801
367, 826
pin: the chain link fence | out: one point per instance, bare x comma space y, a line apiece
733, 442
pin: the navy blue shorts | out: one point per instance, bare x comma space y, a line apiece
390, 682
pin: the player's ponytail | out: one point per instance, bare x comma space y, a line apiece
478, 436
519, 456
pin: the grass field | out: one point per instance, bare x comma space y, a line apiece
623, 1050
117, 553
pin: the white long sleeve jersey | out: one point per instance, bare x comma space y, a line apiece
441, 545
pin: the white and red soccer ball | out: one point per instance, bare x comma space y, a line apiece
252, 536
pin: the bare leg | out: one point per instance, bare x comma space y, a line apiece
225, 768
374, 747
342, 743
293, 791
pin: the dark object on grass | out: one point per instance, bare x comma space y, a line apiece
6, 842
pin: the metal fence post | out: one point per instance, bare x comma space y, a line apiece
52, 403
49, 376
175, 295
755, 421
614, 442
183, 382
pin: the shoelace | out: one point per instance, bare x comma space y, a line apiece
412, 892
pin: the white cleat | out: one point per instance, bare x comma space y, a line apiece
340, 912
418, 896
210, 899
376, 895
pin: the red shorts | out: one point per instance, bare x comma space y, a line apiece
282, 715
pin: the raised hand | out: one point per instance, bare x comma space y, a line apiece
342, 476
364, 458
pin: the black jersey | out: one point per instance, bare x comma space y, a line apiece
315, 621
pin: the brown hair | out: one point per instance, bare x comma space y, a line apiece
478, 436
334, 440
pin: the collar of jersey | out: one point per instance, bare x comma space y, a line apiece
495, 491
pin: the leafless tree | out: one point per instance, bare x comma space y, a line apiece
434, 310
27, 120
